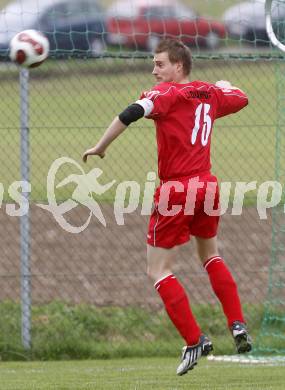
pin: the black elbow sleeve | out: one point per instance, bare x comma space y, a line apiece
131, 114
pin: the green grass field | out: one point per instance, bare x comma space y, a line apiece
137, 374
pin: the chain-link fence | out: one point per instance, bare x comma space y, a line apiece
71, 102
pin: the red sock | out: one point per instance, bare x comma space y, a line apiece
225, 288
178, 308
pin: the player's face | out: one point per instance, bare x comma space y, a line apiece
164, 70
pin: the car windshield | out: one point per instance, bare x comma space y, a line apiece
127, 9
124, 9
183, 12
83, 8
167, 12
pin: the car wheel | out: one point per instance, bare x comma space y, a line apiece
97, 47
249, 35
152, 42
212, 40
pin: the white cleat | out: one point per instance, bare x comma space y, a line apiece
191, 354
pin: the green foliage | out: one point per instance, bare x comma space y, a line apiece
10, 331
64, 331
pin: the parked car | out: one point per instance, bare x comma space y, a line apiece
69, 25
246, 20
142, 23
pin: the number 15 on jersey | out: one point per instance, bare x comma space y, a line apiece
205, 129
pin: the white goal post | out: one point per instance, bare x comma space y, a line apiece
269, 27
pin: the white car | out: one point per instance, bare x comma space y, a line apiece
246, 20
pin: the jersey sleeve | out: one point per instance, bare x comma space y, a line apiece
162, 99
229, 100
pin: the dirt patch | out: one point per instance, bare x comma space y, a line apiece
107, 265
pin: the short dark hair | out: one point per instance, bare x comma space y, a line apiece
177, 52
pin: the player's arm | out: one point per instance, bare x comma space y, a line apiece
230, 98
132, 113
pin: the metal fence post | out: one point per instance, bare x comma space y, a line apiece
24, 221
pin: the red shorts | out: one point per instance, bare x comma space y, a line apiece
184, 207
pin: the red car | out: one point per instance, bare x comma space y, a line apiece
141, 24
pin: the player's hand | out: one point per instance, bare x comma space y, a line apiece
93, 152
223, 84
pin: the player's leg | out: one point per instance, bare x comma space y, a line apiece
225, 289
221, 278
176, 302
207, 248
165, 234
204, 227
172, 293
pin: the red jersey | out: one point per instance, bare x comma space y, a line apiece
184, 115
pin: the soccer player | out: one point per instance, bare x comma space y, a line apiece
183, 113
